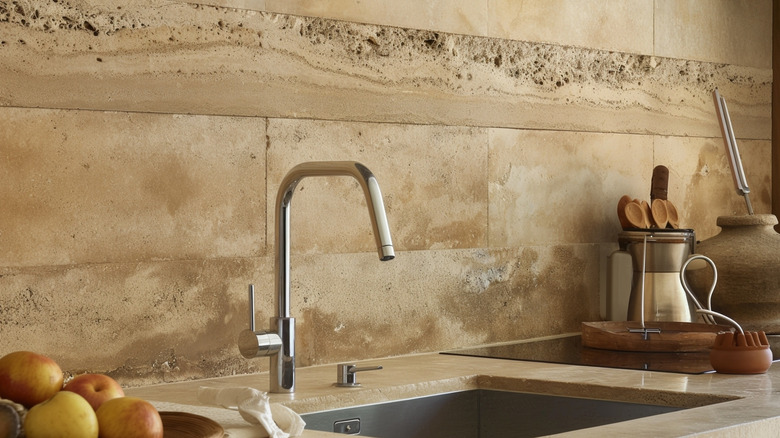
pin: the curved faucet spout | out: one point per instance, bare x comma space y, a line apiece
283, 364
376, 210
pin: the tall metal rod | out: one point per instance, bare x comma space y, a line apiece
730, 141
644, 330
644, 270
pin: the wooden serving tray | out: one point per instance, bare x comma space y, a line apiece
674, 336
691, 362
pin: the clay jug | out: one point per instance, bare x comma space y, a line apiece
747, 254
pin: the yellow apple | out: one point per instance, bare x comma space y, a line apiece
95, 388
29, 378
129, 417
65, 415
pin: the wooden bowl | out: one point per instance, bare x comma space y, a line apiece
186, 425
738, 353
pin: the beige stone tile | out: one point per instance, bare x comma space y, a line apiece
351, 306
700, 181
550, 187
95, 187
179, 59
140, 322
255, 5
625, 26
723, 31
432, 179
458, 16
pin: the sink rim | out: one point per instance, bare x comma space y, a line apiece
364, 396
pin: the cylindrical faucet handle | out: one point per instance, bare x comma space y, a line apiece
253, 343
347, 373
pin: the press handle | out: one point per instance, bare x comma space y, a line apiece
706, 312
347, 373
257, 343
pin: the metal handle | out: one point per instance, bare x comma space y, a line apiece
252, 343
645, 331
704, 311
347, 373
730, 141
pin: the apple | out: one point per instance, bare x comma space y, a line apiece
29, 378
129, 417
95, 388
66, 414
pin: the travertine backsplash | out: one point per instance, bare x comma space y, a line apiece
142, 144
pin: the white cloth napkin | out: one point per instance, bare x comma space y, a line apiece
277, 421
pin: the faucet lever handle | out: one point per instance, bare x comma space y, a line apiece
256, 343
347, 373
252, 307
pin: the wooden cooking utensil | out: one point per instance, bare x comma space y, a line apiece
659, 183
647, 214
659, 212
634, 215
621, 211
672, 216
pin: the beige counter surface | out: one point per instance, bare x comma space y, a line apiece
744, 405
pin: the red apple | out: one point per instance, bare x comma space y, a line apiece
29, 378
95, 388
129, 417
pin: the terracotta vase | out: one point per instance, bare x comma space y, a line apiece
747, 255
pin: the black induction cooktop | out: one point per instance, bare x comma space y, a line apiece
568, 350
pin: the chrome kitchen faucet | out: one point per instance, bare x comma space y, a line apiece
280, 343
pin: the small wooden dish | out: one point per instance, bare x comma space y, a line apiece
186, 425
673, 336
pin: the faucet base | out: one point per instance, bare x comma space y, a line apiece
283, 362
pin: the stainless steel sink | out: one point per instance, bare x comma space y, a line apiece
479, 413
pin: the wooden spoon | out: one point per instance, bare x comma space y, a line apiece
647, 213
672, 215
621, 211
635, 215
659, 212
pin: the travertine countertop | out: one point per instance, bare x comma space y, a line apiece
749, 404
